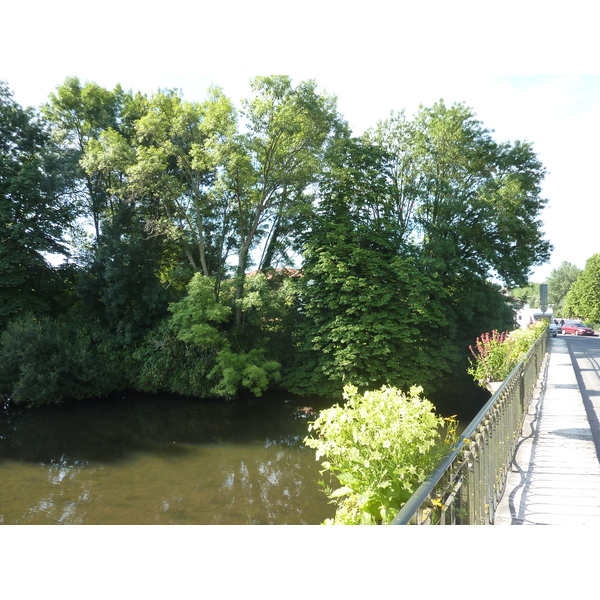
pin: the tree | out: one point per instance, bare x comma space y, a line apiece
78, 114
179, 149
120, 281
370, 305
34, 212
559, 283
469, 204
413, 220
529, 294
478, 201
273, 163
583, 299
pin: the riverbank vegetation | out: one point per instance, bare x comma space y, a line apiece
215, 250
380, 446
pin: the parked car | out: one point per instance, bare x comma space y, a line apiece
553, 329
577, 329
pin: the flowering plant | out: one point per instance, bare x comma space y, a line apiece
493, 358
497, 354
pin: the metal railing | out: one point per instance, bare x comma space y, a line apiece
467, 486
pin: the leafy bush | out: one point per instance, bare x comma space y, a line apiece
46, 361
197, 316
248, 370
497, 354
164, 363
380, 446
199, 321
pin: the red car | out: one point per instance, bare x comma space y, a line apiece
577, 329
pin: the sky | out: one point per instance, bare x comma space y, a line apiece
525, 70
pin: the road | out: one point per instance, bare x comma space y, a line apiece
585, 355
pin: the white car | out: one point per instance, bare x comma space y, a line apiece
553, 329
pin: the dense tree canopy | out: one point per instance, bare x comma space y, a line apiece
583, 298
463, 196
78, 115
412, 222
393, 238
34, 212
559, 283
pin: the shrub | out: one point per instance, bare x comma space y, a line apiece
46, 361
199, 321
497, 354
249, 370
380, 446
164, 363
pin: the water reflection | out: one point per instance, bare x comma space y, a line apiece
159, 460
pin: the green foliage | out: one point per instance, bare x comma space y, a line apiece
78, 113
497, 354
197, 315
175, 153
529, 294
34, 213
120, 282
369, 322
400, 231
379, 446
198, 320
271, 167
162, 362
471, 202
583, 299
492, 361
243, 370
46, 361
269, 314
559, 283
411, 223
523, 339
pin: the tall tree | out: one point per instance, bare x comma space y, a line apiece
274, 162
120, 282
583, 299
167, 166
370, 304
469, 201
78, 114
186, 140
34, 213
412, 222
559, 283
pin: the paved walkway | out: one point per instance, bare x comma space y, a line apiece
555, 477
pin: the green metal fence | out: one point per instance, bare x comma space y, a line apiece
468, 484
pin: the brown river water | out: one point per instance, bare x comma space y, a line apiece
160, 460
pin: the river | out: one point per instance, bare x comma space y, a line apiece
160, 460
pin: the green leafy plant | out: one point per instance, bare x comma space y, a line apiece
492, 358
379, 446
199, 321
47, 361
497, 354
243, 370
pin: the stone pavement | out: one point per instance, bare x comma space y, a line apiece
555, 476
